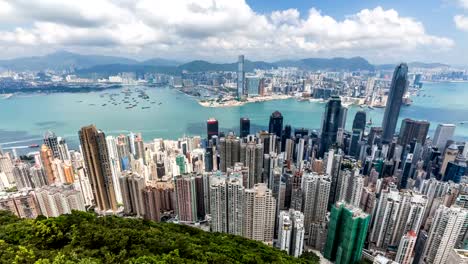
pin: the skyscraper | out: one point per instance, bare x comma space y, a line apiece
445, 229
240, 77
394, 101
413, 130
96, 157
132, 187
291, 232
359, 121
50, 140
186, 198
276, 124
346, 234
244, 127
443, 133
46, 160
212, 127
259, 213
332, 121
405, 249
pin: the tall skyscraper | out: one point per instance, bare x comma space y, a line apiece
276, 124
359, 121
445, 229
413, 130
346, 234
51, 141
244, 127
394, 101
132, 186
331, 123
96, 157
291, 232
212, 128
46, 160
229, 150
259, 213
186, 198
240, 77
443, 133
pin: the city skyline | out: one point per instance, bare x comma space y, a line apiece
383, 31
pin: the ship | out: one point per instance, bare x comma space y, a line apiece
33, 146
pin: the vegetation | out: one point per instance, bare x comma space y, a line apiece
87, 239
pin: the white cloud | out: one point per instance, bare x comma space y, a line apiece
461, 22
463, 3
207, 29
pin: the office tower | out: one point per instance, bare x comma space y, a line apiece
57, 200
291, 232
455, 169
202, 185
413, 130
405, 249
22, 177
354, 147
51, 141
244, 127
22, 204
240, 77
132, 186
375, 136
346, 234
443, 133
229, 150
212, 128
276, 124
331, 124
186, 198
285, 136
359, 121
46, 161
259, 213
333, 168
394, 101
443, 234
450, 155
98, 167
316, 189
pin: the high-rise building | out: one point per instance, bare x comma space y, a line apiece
229, 150
240, 77
359, 121
291, 232
98, 167
458, 256
57, 200
332, 121
405, 249
22, 177
443, 133
443, 234
51, 141
394, 101
252, 85
132, 186
259, 213
252, 157
346, 234
212, 128
22, 203
413, 130
450, 155
186, 198
244, 127
455, 169
276, 124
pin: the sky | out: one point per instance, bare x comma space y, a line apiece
381, 31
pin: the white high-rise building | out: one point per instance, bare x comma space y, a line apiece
443, 133
291, 232
259, 213
445, 229
57, 200
405, 249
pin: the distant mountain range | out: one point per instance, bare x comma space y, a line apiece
87, 65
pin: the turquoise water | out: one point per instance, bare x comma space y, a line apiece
24, 119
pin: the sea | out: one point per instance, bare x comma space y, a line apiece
25, 118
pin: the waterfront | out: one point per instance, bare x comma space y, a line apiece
25, 118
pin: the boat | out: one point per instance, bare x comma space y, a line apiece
145, 107
160, 104
33, 146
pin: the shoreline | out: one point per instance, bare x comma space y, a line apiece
235, 103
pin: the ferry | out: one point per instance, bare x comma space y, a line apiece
33, 146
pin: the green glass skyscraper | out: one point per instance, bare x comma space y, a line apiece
346, 234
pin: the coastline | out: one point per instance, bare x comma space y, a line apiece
234, 102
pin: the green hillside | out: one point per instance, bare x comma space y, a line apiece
84, 238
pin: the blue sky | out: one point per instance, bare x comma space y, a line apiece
218, 30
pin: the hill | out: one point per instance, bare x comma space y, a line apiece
333, 64
84, 238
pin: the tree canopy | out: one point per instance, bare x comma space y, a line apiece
85, 238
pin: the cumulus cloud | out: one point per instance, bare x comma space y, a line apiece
463, 3
207, 29
461, 22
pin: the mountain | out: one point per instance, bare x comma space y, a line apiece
160, 62
334, 64
82, 237
62, 60
203, 66
433, 65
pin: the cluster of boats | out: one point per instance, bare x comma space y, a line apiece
129, 99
